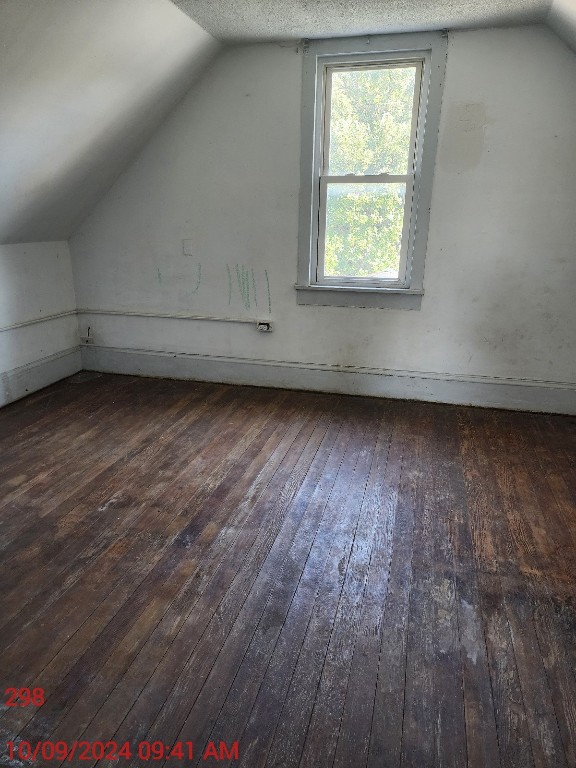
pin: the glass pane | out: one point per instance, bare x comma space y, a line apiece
364, 230
371, 120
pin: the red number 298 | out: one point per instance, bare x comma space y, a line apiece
23, 697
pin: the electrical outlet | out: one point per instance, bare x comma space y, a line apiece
87, 338
264, 326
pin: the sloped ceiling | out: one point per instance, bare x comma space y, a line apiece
562, 19
259, 20
83, 84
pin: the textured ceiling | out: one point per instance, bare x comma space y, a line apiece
244, 20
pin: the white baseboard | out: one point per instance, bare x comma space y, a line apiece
550, 397
22, 381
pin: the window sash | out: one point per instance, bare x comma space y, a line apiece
321, 278
409, 179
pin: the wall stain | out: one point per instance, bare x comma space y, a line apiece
463, 142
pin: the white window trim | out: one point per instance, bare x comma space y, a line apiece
429, 48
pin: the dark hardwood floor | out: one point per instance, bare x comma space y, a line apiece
326, 580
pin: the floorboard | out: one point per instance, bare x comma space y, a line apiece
323, 580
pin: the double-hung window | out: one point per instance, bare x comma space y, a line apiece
371, 110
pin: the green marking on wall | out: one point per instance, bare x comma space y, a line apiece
243, 278
198, 278
229, 284
254, 287
268, 288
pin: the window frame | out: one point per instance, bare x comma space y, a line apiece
320, 57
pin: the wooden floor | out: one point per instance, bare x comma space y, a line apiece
328, 581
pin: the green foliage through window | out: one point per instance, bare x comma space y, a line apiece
370, 134
364, 230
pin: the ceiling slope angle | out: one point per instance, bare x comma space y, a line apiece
254, 20
562, 19
83, 85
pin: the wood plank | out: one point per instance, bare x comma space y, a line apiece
450, 733
559, 667
121, 530
58, 487
509, 708
419, 717
336, 680
64, 454
52, 541
270, 683
353, 744
150, 635
301, 569
527, 589
168, 567
80, 642
250, 589
330, 580
344, 507
481, 729
219, 604
388, 713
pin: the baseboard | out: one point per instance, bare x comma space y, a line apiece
22, 381
514, 394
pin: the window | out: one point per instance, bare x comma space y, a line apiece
371, 109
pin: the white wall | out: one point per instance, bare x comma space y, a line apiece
498, 319
82, 87
38, 325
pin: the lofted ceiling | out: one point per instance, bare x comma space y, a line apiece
83, 85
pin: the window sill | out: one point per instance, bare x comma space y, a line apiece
370, 298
